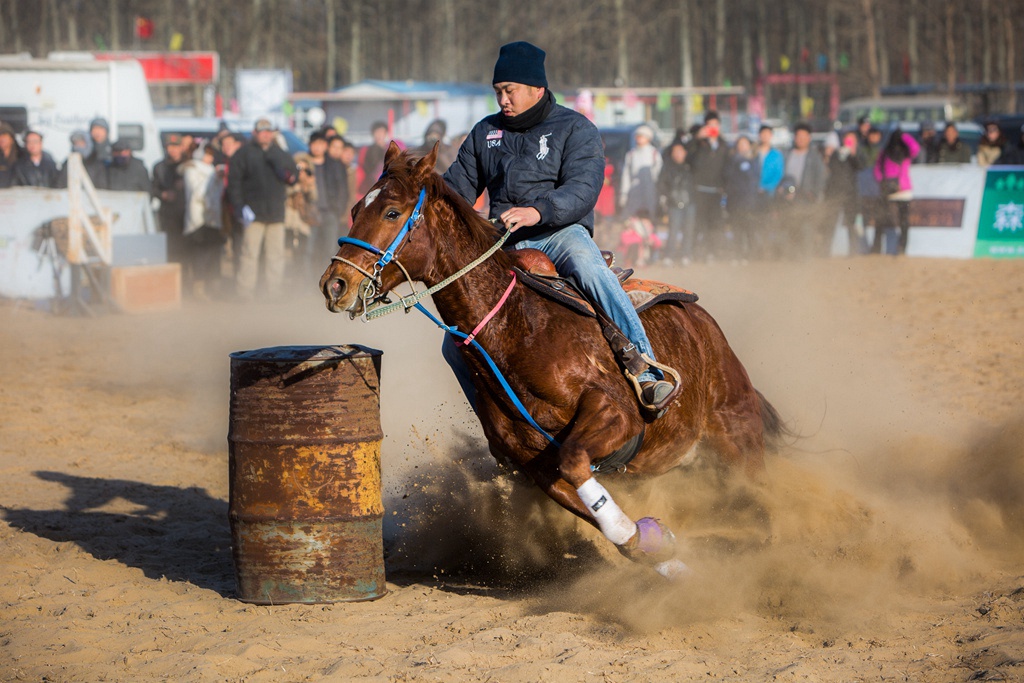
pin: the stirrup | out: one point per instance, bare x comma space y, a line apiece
675, 380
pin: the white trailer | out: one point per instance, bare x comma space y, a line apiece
62, 94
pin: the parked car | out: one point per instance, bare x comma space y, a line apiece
903, 109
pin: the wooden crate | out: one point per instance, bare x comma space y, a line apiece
142, 289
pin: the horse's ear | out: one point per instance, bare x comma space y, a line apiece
425, 166
393, 151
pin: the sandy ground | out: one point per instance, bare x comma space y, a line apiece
886, 544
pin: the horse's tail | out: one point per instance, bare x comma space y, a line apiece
775, 429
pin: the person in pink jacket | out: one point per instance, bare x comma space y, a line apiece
892, 171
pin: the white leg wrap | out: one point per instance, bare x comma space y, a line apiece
615, 525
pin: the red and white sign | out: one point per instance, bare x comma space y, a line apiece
172, 67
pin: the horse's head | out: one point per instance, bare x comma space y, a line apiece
384, 227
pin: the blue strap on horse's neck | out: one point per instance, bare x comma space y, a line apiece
452, 330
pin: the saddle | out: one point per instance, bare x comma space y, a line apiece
537, 272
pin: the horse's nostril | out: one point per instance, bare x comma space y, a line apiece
336, 288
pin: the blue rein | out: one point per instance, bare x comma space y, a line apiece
387, 255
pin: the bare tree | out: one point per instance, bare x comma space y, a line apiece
72, 16
881, 35
912, 52
114, 21
1010, 37
831, 36
55, 41
986, 41
330, 56
451, 56
720, 39
256, 38
327, 43
871, 48
950, 48
622, 63
355, 64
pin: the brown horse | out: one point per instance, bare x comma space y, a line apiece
556, 361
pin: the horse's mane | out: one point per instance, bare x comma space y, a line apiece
481, 230
463, 210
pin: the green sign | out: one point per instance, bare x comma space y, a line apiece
1001, 223
664, 102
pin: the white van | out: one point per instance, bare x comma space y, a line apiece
883, 110
62, 94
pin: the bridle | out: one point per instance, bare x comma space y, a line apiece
371, 288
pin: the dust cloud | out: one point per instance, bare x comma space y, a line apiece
882, 500
879, 503
815, 541
884, 544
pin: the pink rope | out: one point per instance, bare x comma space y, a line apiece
494, 310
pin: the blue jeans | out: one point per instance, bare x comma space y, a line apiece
576, 256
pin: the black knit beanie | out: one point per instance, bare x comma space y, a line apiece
520, 62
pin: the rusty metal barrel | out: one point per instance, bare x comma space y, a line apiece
305, 487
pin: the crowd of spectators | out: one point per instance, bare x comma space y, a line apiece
702, 198
241, 215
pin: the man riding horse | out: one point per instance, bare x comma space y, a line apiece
543, 167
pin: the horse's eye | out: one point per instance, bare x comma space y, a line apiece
392, 215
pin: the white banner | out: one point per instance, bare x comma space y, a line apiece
947, 182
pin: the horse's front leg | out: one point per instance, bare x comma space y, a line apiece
599, 429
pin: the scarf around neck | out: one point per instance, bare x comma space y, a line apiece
531, 117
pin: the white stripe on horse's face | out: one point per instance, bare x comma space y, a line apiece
371, 196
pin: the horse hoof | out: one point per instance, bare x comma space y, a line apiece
673, 570
654, 537
653, 542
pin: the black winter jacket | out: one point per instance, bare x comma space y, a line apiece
708, 163
1013, 155
132, 177
7, 164
28, 174
257, 179
332, 187
556, 167
96, 170
675, 184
